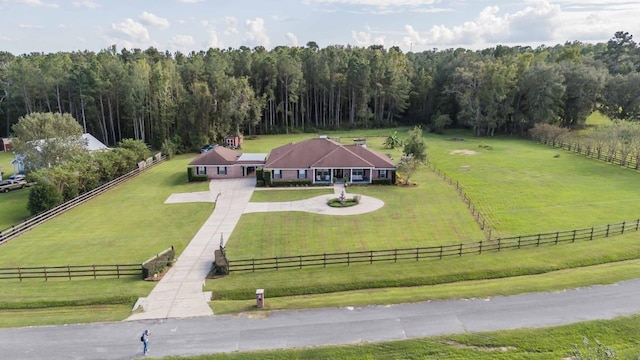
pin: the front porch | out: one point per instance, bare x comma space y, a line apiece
342, 175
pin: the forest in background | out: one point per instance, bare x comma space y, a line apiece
198, 98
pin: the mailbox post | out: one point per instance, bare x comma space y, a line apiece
260, 298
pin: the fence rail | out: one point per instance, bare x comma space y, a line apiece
70, 271
475, 212
434, 252
28, 224
629, 160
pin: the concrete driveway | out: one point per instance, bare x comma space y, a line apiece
179, 293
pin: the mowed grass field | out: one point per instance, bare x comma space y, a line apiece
128, 224
13, 205
519, 186
534, 188
131, 223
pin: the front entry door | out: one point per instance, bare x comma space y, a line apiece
338, 174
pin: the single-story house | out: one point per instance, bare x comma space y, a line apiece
325, 161
224, 163
91, 144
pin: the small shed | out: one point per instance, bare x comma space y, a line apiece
6, 145
233, 141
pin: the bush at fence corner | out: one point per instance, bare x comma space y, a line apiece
158, 263
221, 264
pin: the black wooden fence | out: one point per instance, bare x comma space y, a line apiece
28, 224
625, 159
475, 212
70, 271
433, 252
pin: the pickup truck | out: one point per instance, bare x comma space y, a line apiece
7, 185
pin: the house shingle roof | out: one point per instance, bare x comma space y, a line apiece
325, 153
219, 156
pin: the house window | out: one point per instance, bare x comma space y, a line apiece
201, 170
322, 175
222, 170
277, 174
357, 175
382, 174
302, 174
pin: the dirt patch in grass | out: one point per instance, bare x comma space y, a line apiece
458, 345
464, 152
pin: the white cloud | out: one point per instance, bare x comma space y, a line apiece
190, 1
292, 39
87, 4
232, 25
30, 26
361, 38
379, 7
153, 20
183, 43
213, 41
534, 23
65, 26
257, 33
36, 3
134, 30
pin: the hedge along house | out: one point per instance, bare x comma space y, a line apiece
325, 161
223, 163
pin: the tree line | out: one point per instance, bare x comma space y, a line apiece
187, 100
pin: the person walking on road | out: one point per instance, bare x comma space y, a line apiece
145, 341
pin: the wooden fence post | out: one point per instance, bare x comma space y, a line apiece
371, 257
557, 235
441, 252
460, 251
591, 236
538, 243
622, 231
45, 274
608, 225
19, 274
480, 249
69, 271
574, 236
395, 255
94, 271
519, 241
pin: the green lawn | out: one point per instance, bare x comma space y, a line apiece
273, 195
13, 205
523, 188
520, 187
128, 224
430, 214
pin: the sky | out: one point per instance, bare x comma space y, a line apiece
413, 25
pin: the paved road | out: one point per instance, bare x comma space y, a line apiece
314, 327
